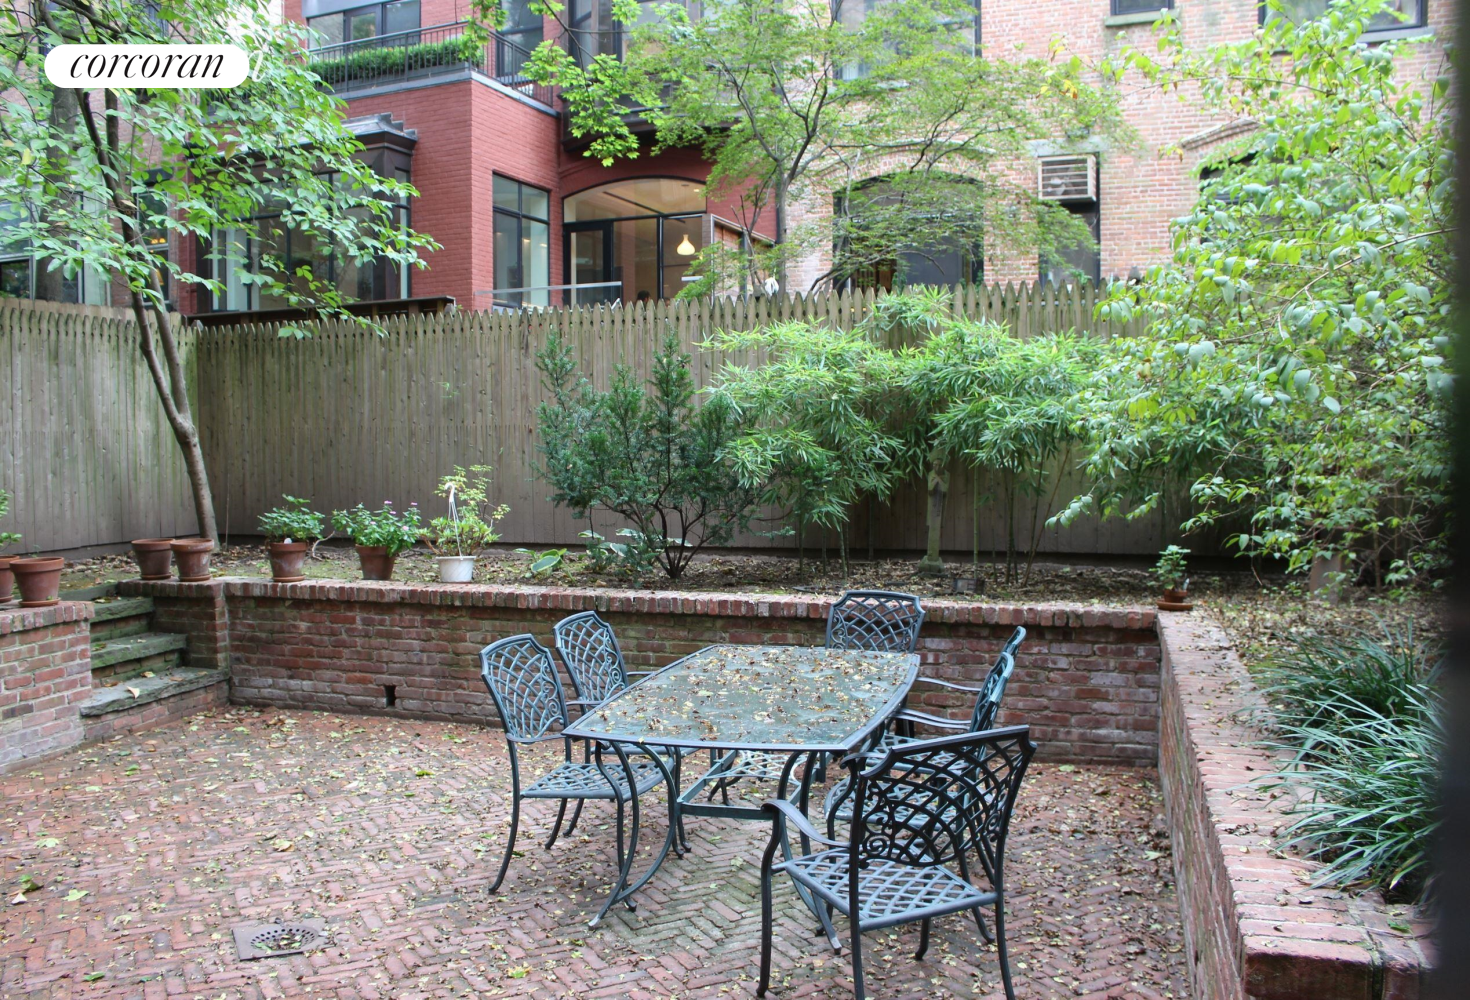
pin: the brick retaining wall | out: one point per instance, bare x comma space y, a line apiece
1254, 927
45, 675
1086, 679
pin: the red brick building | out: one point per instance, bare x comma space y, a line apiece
523, 217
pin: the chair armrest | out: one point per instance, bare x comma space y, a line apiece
946, 684
543, 738
787, 811
938, 722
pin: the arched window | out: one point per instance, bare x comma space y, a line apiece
894, 232
632, 240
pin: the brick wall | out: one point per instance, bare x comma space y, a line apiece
1254, 927
45, 675
1086, 678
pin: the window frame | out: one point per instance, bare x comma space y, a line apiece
1153, 7
521, 217
1371, 33
344, 18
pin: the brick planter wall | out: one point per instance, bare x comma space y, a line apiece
1252, 925
1086, 679
45, 675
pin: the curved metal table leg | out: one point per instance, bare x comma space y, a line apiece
622, 891
803, 797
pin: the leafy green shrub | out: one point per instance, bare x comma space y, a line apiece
377, 61
295, 522
648, 455
6, 537
1298, 362
396, 531
544, 562
1360, 717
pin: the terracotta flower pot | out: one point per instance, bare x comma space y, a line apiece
7, 579
39, 580
153, 556
377, 564
191, 556
1175, 600
287, 559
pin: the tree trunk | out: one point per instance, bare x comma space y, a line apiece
932, 564
173, 390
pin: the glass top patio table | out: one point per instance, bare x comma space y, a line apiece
793, 699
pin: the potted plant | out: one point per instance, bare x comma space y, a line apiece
154, 557
191, 558
1171, 573
7, 538
288, 530
469, 527
379, 535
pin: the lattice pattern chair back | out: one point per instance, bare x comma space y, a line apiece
590, 650
929, 803
879, 620
521, 676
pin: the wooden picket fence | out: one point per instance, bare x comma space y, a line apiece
347, 414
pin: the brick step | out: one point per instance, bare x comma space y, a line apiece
140, 703
134, 654
119, 617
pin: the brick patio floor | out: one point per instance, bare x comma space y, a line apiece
148, 849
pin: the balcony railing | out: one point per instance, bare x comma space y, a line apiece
533, 297
385, 60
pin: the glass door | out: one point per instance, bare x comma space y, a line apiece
589, 262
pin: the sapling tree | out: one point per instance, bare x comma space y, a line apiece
88, 177
648, 455
809, 100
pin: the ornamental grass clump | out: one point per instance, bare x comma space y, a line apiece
1360, 717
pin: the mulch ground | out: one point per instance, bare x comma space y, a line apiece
126, 864
1086, 583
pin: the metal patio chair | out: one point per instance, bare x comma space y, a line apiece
527, 693
880, 620
919, 812
589, 648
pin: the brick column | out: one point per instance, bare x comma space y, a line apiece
45, 675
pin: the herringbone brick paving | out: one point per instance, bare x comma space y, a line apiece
146, 850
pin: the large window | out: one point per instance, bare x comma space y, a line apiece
267, 244
21, 273
522, 244
357, 21
894, 234
594, 32
632, 241
1071, 184
852, 13
1398, 13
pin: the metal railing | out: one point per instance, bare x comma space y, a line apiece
595, 293
421, 53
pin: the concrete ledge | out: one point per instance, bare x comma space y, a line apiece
1253, 928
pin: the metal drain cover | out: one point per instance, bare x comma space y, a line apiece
270, 940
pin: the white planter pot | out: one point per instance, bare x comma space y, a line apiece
456, 569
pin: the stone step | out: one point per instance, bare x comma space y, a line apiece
98, 592
134, 692
136, 652
108, 609
119, 617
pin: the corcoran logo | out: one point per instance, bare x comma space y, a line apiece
174, 66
